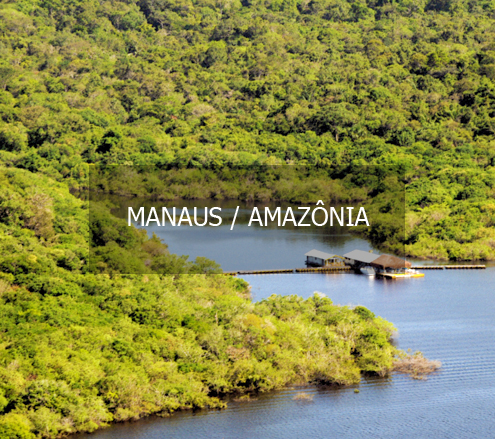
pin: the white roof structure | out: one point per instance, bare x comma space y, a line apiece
362, 256
319, 254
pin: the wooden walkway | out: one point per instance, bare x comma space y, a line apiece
293, 270
346, 269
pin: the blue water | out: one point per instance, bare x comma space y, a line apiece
246, 247
449, 315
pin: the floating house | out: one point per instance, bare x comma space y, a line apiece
317, 258
365, 262
389, 262
383, 265
394, 268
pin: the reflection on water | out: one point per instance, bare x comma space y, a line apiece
448, 315
246, 247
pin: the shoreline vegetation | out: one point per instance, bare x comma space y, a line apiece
83, 345
384, 194
415, 365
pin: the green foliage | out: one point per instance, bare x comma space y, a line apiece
83, 345
15, 426
364, 312
404, 86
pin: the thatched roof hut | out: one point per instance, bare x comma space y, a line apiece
389, 261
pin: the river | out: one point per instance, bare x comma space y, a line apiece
246, 247
449, 315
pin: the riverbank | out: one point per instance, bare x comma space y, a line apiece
158, 345
439, 315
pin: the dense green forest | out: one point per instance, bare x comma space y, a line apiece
334, 85
404, 84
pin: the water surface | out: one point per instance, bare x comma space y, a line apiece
246, 247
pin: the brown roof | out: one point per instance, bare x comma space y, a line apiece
391, 262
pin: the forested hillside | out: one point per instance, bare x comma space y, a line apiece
331, 83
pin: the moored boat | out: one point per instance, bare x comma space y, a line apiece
399, 274
367, 270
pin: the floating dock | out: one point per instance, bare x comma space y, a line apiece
347, 269
400, 275
324, 269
